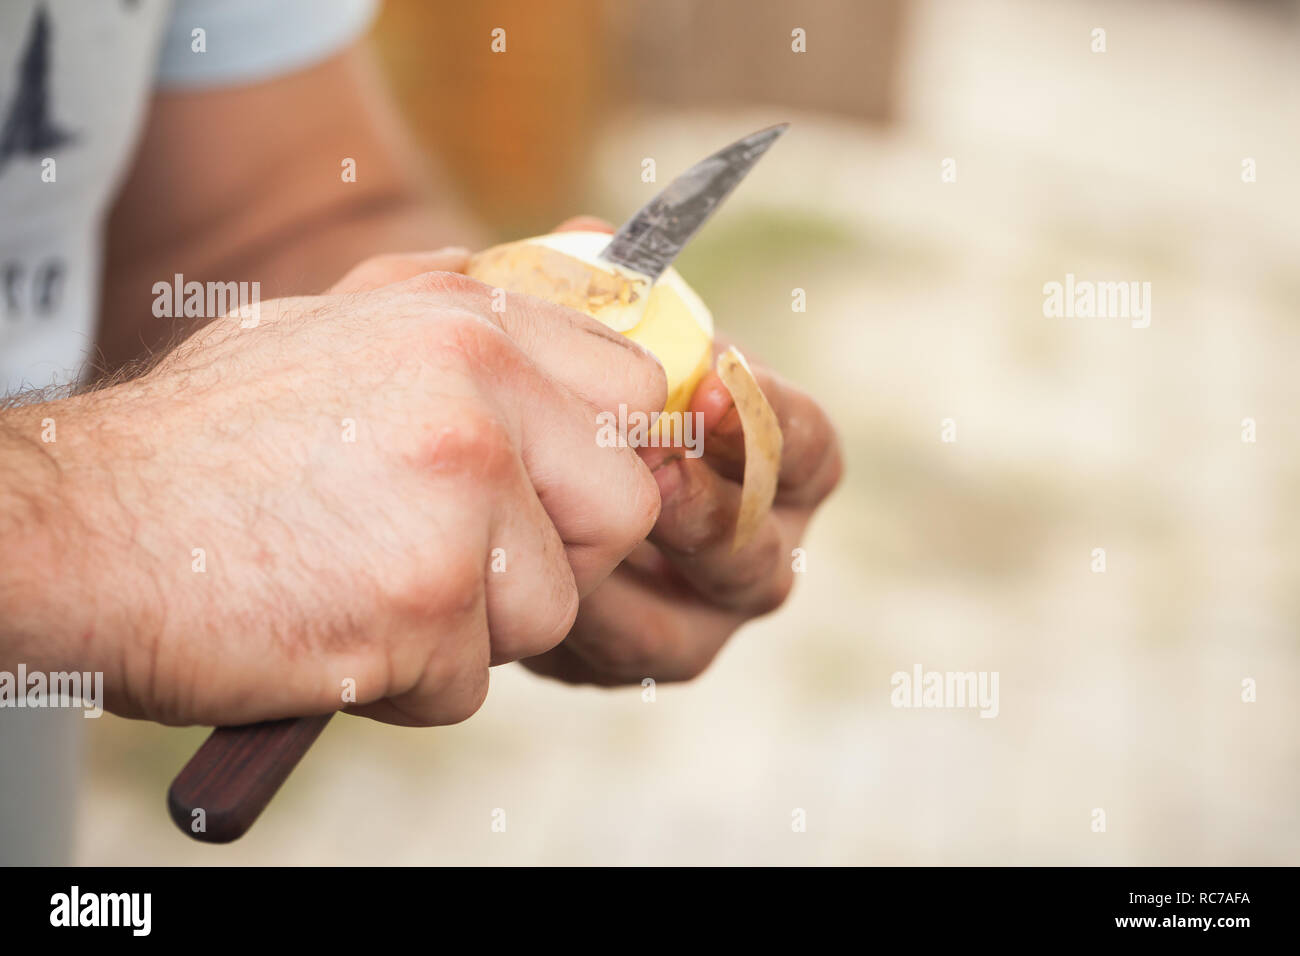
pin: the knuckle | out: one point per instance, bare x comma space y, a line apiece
445, 590
469, 442
464, 330
439, 671
478, 347
647, 380
451, 682
547, 625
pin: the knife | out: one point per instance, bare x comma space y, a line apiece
231, 778
652, 239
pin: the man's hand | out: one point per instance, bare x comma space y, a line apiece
669, 608
274, 511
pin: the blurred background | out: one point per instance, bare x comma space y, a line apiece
1119, 690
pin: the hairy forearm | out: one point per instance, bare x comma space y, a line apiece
68, 583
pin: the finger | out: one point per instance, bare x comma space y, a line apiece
396, 267
575, 350
434, 702
532, 597
602, 499
584, 224
811, 463
629, 631
695, 531
452, 679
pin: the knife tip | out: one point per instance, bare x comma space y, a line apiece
764, 137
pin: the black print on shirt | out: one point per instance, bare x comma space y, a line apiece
27, 290
29, 129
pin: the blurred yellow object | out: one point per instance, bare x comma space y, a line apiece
507, 94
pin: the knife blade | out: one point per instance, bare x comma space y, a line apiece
651, 239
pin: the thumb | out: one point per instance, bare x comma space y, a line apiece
398, 267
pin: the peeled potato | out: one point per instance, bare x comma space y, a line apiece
666, 317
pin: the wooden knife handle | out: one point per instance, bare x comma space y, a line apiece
234, 775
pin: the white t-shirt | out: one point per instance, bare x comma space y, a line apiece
75, 81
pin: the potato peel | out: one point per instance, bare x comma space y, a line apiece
763, 443
534, 269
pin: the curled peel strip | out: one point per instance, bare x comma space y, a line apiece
763, 442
